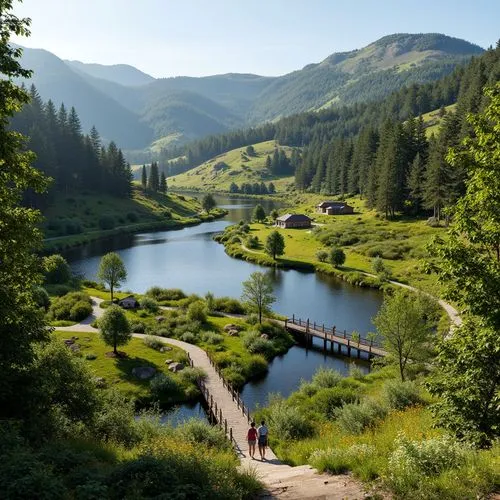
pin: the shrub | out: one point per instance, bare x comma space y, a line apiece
400, 395
192, 375
326, 378
228, 305
132, 217
337, 257
322, 255
57, 270
149, 305
188, 337
380, 269
80, 310
197, 311
72, 226
152, 342
326, 401
41, 297
252, 242
163, 386
212, 338
288, 422
138, 327
107, 222
200, 432
341, 461
355, 417
162, 294
256, 366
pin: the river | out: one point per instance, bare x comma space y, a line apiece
189, 259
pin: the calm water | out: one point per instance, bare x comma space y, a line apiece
189, 259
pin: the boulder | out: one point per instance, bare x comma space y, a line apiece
175, 367
143, 372
74, 347
160, 319
165, 349
69, 342
100, 382
168, 361
264, 336
233, 333
230, 327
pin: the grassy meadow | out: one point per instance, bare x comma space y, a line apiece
239, 168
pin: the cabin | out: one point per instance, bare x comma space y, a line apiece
293, 221
129, 302
334, 208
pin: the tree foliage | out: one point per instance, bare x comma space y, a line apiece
258, 293
403, 322
337, 257
112, 271
114, 327
259, 214
208, 203
275, 244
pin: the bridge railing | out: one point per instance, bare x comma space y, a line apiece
328, 333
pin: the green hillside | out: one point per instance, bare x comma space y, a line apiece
433, 119
236, 166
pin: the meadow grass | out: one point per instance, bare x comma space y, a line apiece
242, 168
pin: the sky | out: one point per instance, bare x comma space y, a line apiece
268, 37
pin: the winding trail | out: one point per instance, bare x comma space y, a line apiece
280, 480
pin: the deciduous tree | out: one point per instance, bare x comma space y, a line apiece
259, 214
114, 327
258, 293
208, 203
112, 271
275, 244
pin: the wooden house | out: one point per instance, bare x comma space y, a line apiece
334, 208
293, 221
129, 302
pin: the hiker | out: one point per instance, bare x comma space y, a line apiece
263, 435
252, 439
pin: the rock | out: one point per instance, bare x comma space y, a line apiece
74, 338
165, 349
168, 361
175, 367
264, 336
231, 326
160, 319
100, 382
233, 333
74, 347
143, 372
69, 342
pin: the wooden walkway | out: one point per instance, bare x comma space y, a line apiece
339, 341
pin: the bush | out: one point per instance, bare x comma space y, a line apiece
57, 270
258, 345
399, 395
192, 375
106, 222
337, 257
326, 378
200, 432
80, 310
322, 255
197, 311
153, 342
163, 386
326, 401
380, 269
288, 422
162, 294
256, 366
341, 461
188, 337
149, 305
138, 327
132, 217
252, 242
41, 297
212, 338
228, 305
354, 418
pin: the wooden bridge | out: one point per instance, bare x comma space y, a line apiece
339, 341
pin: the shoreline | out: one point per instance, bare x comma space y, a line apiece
61, 243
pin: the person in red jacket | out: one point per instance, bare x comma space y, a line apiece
252, 439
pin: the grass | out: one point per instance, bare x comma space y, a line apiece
241, 168
79, 218
432, 120
117, 372
376, 454
401, 243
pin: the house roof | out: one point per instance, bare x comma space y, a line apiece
128, 297
294, 218
325, 204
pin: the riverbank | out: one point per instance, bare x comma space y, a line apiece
81, 219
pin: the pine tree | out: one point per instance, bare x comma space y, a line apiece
163, 183
154, 178
144, 178
415, 183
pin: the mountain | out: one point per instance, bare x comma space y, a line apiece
55, 80
134, 108
117, 73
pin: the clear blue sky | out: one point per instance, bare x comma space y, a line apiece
271, 37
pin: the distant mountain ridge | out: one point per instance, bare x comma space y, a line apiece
134, 108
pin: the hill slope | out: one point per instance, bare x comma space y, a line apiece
127, 105
236, 166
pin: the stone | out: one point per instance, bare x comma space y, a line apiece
168, 361
143, 372
100, 382
233, 333
160, 319
69, 342
165, 349
231, 326
264, 336
175, 367
74, 347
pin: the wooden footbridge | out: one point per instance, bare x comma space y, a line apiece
339, 342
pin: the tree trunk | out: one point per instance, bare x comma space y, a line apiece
260, 316
114, 346
111, 289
